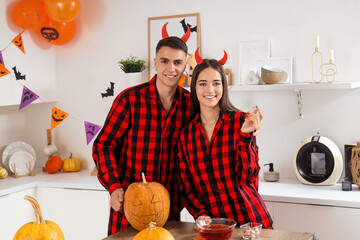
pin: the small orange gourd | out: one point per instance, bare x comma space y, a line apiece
72, 164
154, 233
54, 164
40, 229
146, 202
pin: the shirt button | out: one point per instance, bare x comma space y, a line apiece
217, 190
210, 157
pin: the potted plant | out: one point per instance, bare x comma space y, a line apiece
132, 66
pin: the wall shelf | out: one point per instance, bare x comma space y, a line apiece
297, 88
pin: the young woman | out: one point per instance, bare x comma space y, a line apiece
218, 155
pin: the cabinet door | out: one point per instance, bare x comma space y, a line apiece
81, 214
15, 212
270, 207
330, 223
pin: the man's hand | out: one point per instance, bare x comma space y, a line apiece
117, 199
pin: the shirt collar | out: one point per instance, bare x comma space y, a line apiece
179, 94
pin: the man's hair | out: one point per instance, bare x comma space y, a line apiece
225, 105
172, 42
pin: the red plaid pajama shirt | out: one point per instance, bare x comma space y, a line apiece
220, 178
139, 136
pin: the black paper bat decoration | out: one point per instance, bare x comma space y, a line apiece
184, 25
18, 74
109, 91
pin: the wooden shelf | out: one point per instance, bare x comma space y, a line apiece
295, 86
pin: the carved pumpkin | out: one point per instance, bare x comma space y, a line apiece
54, 164
3, 173
154, 233
40, 229
72, 164
146, 202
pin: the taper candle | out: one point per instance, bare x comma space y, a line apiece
317, 43
331, 60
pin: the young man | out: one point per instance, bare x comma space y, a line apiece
141, 131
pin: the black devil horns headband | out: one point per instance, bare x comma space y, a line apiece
200, 60
184, 38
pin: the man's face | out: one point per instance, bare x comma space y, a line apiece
170, 65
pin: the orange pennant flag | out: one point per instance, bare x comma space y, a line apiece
19, 42
57, 116
3, 70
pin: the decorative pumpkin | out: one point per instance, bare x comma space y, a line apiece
153, 232
54, 164
72, 164
146, 202
3, 173
40, 229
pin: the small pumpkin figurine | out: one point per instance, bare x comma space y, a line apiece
40, 229
72, 164
146, 202
54, 164
153, 232
3, 173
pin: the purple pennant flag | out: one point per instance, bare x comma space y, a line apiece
91, 130
27, 97
2, 59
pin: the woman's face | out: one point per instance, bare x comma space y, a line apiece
209, 88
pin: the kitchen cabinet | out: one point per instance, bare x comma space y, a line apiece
327, 222
15, 212
81, 214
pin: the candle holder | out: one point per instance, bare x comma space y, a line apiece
317, 61
328, 70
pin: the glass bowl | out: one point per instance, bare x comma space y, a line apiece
251, 230
215, 228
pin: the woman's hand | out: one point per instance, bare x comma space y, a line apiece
117, 199
252, 121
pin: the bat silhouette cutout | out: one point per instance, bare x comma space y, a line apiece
18, 74
109, 91
184, 25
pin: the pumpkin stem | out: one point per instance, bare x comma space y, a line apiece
143, 178
37, 210
152, 226
70, 155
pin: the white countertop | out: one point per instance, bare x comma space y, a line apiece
285, 190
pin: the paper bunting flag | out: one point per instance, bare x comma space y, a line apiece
2, 59
19, 42
3, 70
57, 116
91, 130
27, 97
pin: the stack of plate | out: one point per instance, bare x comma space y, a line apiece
19, 156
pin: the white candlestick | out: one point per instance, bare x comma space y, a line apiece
317, 42
331, 56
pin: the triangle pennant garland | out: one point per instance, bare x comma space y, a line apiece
3, 70
91, 130
27, 97
1, 59
57, 116
19, 42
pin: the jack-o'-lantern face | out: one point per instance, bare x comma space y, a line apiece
57, 117
145, 203
19, 42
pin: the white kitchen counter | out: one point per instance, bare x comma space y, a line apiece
286, 190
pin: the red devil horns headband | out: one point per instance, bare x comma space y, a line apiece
184, 38
200, 60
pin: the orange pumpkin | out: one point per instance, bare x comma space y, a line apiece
146, 202
153, 232
54, 164
40, 229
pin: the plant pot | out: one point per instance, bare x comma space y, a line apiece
132, 79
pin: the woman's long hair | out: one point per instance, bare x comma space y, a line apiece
225, 105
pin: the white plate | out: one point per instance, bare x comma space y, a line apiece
21, 154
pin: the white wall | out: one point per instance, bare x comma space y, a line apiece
113, 29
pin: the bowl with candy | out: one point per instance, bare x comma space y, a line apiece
215, 228
251, 230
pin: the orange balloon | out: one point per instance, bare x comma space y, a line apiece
57, 33
62, 10
29, 14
